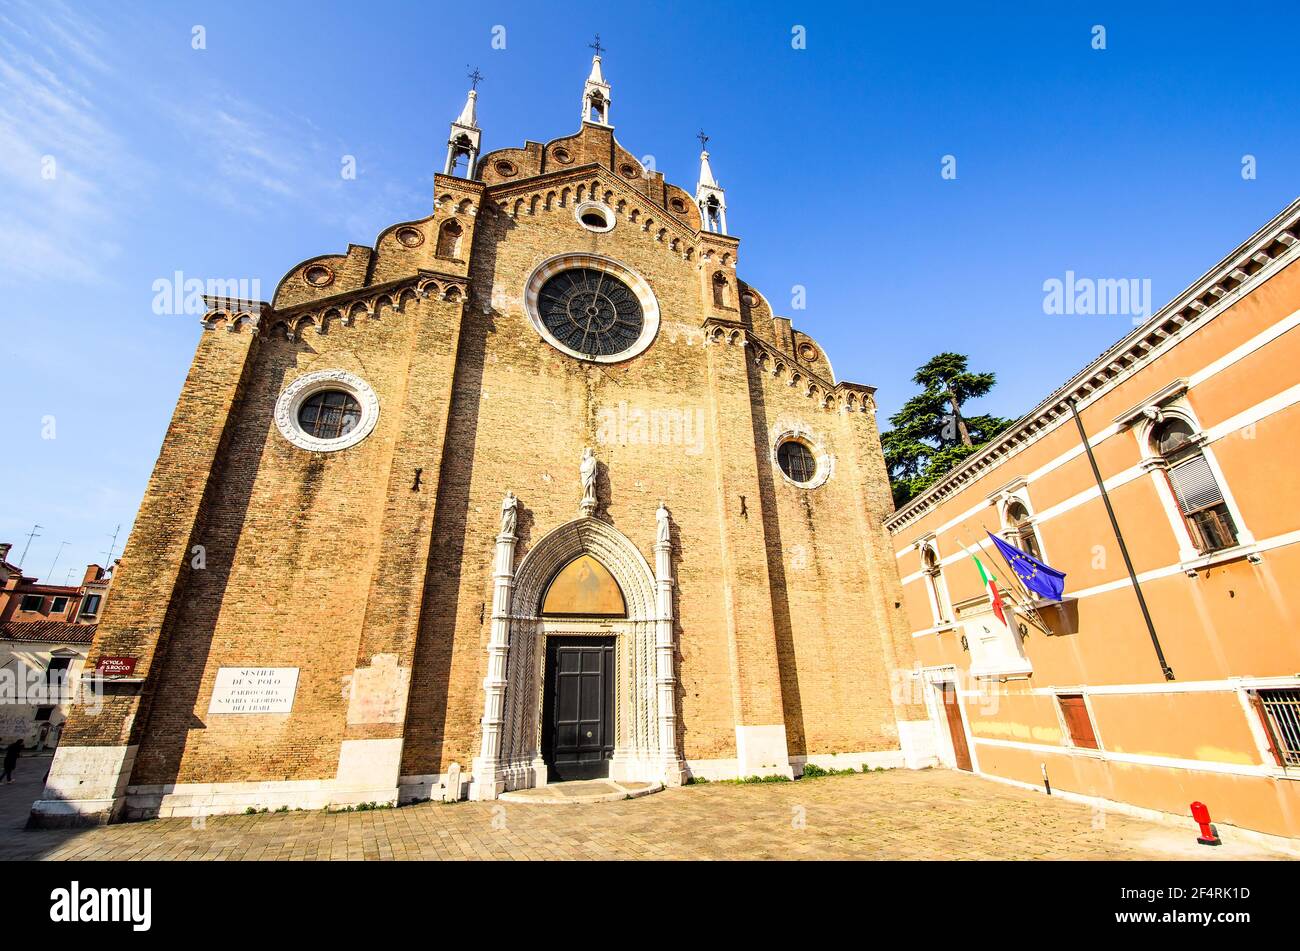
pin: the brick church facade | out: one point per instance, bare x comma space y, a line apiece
535, 488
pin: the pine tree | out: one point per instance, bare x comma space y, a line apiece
931, 433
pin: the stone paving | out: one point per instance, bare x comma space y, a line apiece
931, 814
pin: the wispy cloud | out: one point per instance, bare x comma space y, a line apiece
56, 154
263, 162
83, 146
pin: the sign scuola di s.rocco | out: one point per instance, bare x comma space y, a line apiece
254, 690
115, 666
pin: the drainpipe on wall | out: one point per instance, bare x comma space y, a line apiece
1119, 537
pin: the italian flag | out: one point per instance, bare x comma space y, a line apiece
991, 585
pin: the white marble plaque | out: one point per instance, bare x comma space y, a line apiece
254, 690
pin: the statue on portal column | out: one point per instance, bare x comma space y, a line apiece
661, 516
588, 473
509, 513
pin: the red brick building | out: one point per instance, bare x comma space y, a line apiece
536, 487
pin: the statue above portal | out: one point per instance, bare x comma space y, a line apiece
588, 472
509, 513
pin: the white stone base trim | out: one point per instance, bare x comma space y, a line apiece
432, 786
86, 784
917, 740
368, 772
1263, 839
872, 759
369, 764
714, 770
762, 751
421, 788
221, 799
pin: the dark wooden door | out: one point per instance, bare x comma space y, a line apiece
578, 707
952, 708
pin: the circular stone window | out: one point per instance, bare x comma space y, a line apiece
318, 275
807, 352
506, 169
327, 411
627, 171
677, 205
800, 463
562, 156
410, 237
592, 308
595, 215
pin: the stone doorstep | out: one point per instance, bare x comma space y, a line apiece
592, 791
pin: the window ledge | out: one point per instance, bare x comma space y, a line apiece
937, 629
1249, 552
1015, 670
1084, 751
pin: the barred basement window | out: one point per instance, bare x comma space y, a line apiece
329, 414
1279, 711
1200, 500
796, 461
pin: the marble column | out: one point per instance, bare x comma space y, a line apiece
674, 772
488, 782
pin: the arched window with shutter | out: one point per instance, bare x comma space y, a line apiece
1195, 488
1020, 529
932, 567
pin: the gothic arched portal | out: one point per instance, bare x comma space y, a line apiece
582, 563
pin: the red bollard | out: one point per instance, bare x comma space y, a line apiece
1202, 816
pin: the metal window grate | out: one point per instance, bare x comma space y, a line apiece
797, 461
1280, 711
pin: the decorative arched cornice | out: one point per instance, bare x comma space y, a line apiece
830, 396
321, 314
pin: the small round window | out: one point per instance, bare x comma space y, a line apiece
410, 237
329, 414
797, 461
318, 275
594, 215
327, 410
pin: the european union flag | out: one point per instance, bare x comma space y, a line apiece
1044, 580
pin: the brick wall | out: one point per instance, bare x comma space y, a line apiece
325, 561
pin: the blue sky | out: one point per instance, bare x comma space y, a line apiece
224, 162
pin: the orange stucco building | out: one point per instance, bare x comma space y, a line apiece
1193, 421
